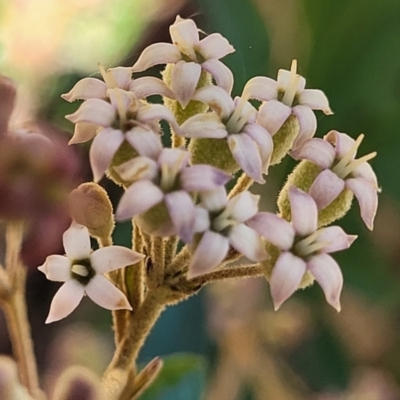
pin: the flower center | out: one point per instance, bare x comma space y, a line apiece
82, 271
348, 163
291, 89
309, 245
238, 119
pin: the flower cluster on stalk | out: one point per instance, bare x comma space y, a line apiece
170, 194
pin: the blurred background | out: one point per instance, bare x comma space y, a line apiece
227, 343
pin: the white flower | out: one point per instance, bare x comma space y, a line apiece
82, 271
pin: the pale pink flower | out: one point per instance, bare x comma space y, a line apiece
123, 118
169, 180
304, 248
83, 273
190, 55
222, 224
341, 170
284, 97
250, 144
121, 78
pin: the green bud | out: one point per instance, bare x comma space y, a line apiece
90, 206
122, 155
214, 152
284, 138
303, 177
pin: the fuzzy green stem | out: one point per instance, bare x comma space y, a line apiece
156, 274
171, 244
180, 262
242, 184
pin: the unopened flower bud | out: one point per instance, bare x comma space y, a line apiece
284, 139
90, 206
302, 177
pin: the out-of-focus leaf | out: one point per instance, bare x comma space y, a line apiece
182, 378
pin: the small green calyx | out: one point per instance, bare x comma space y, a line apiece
125, 153
82, 271
153, 220
284, 138
214, 152
303, 177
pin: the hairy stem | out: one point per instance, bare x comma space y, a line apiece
242, 184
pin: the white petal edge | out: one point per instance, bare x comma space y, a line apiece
247, 242
110, 258
158, 53
315, 99
56, 268
215, 46
101, 291
65, 300
87, 88
304, 212
184, 79
76, 242
222, 75
337, 238
272, 115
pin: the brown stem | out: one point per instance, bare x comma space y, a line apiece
114, 379
157, 260
242, 184
15, 311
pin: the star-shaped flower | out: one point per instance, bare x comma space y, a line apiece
303, 248
123, 118
169, 180
341, 170
250, 144
190, 55
82, 271
285, 96
221, 224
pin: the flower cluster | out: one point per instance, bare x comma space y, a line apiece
179, 193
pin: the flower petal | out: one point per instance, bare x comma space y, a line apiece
328, 274
207, 125
121, 76
94, 111
214, 46
87, 88
274, 229
104, 146
83, 132
106, 295
139, 197
326, 187
185, 36
184, 79
337, 238
217, 98
367, 197
110, 258
149, 86
158, 53
316, 150
246, 153
264, 141
247, 242
222, 75
284, 77
182, 212
315, 99
272, 115
242, 206
304, 212
214, 200
366, 172
65, 300
210, 252
56, 268
137, 168
343, 143
76, 242
202, 222
153, 112
146, 142
177, 159
307, 122
202, 177
286, 277
261, 88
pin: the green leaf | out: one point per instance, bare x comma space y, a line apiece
181, 378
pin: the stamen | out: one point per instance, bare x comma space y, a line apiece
237, 120
309, 244
80, 270
355, 163
291, 89
341, 165
107, 77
